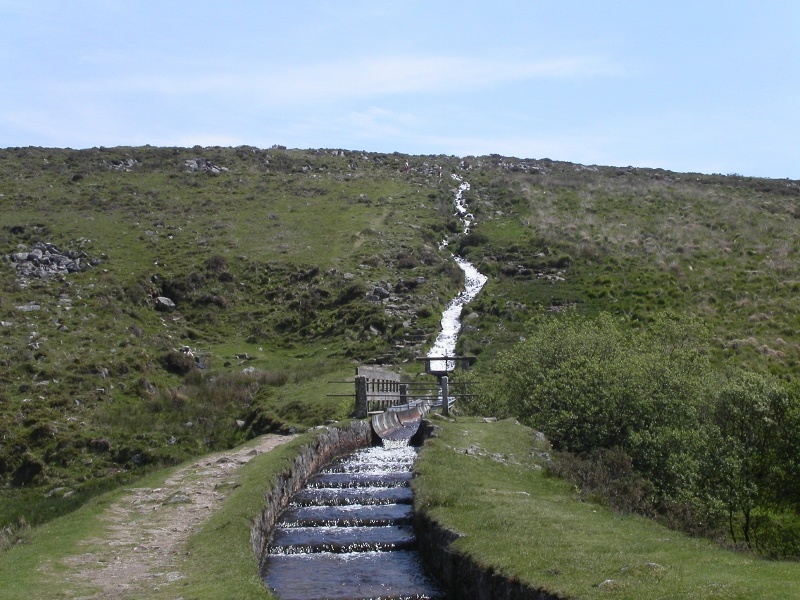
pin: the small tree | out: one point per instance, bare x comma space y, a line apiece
747, 453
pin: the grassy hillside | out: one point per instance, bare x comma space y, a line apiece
490, 482
271, 258
635, 242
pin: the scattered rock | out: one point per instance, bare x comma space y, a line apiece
609, 584
44, 260
203, 165
147, 387
164, 304
125, 165
58, 492
178, 498
30, 307
474, 450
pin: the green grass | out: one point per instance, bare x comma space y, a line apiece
33, 569
524, 524
272, 260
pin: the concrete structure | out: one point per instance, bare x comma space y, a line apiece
377, 390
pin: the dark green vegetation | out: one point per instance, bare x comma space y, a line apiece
491, 483
271, 262
654, 429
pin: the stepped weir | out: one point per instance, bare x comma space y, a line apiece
348, 534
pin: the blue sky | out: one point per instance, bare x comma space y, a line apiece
705, 86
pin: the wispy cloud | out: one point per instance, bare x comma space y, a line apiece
370, 77
393, 75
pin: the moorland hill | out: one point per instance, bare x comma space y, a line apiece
159, 303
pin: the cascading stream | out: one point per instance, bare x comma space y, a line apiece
347, 535
474, 280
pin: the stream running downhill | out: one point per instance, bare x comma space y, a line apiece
474, 280
348, 534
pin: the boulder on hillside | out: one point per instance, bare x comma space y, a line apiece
164, 304
203, 165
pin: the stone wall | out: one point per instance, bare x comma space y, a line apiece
329, 443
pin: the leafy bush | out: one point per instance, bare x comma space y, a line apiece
607, 476
652, 429
594, 383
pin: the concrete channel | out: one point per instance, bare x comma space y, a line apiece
348, 533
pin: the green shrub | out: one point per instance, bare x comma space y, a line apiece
652, 429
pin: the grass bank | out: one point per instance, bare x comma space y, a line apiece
488, 482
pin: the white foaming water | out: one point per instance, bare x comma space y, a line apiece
474, 280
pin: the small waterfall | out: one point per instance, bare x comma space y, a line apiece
474, 280
348, 534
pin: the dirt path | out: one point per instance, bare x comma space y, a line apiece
148, 527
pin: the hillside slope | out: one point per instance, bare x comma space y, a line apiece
302, 263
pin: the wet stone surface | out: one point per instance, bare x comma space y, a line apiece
348, 535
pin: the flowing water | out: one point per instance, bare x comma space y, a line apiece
445, 344
348, 534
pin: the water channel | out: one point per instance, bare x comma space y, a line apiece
348, 534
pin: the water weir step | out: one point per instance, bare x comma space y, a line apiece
348, 515
361, 576
344, 496
342, 480
293, 540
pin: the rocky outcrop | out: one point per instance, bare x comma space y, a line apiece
329, 443
123, 166
203, 165
164, 304
44, 260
